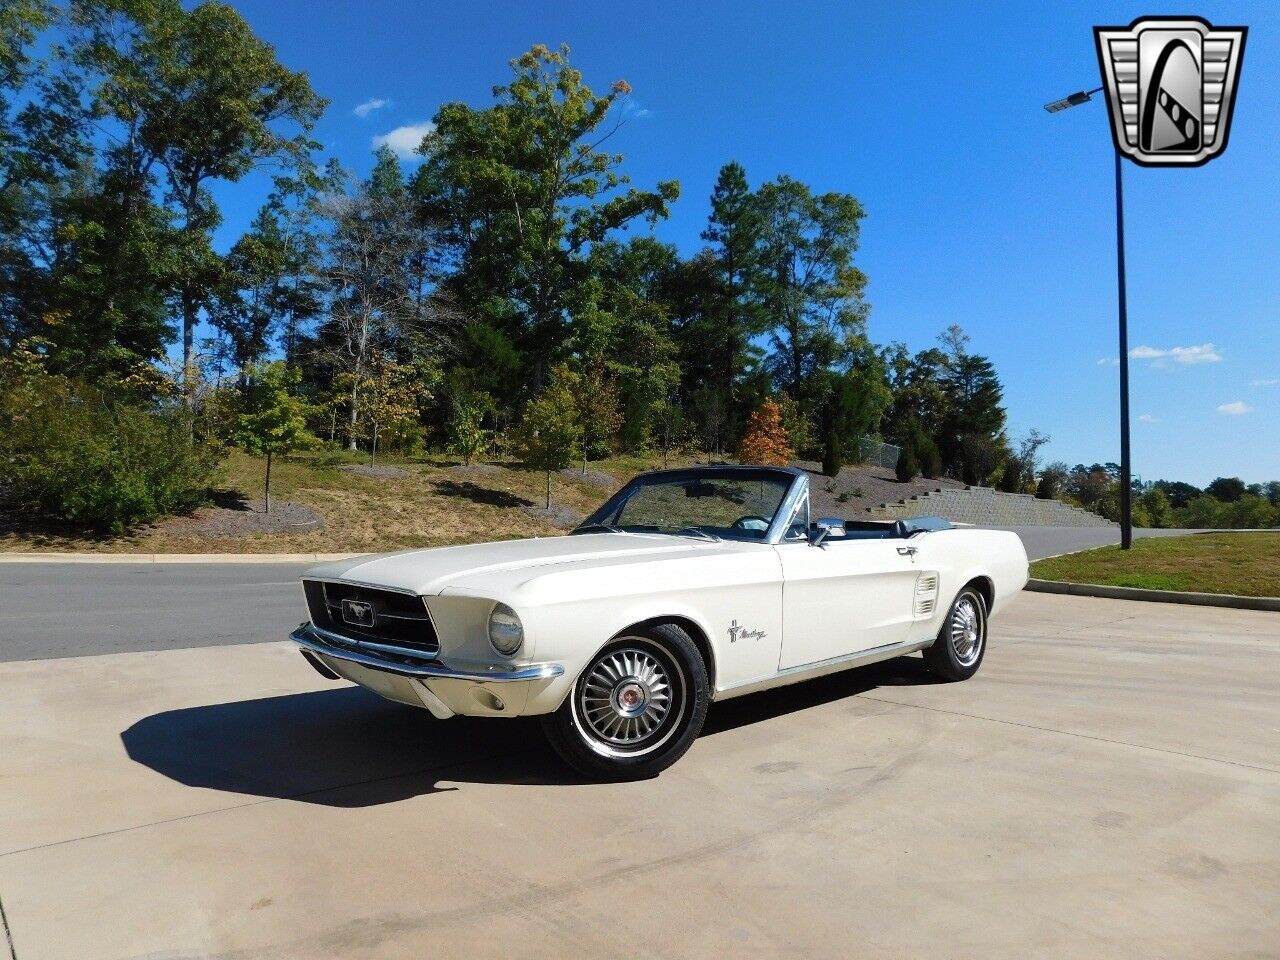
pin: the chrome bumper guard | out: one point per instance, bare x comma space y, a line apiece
316, 640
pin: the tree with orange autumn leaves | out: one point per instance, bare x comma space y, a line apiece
765, 440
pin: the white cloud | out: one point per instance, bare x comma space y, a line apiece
1148, 418
1203, 353
1108, 362
1269, 382
405, 140
1237, 408
366, 108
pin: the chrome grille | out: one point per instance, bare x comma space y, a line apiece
401, 621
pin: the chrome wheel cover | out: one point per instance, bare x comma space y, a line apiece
967, 631
629, 701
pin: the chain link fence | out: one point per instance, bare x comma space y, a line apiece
877, 453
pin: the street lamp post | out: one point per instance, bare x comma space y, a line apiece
1126, 486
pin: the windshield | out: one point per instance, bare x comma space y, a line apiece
739, 507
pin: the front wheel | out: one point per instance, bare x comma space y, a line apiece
635, 709
962, 641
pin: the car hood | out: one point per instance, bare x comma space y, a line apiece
509, 562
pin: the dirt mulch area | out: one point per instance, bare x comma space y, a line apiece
476, 469
559, 515
372, 470
240, 518
593, 477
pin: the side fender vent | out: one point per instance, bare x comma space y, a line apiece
926, 594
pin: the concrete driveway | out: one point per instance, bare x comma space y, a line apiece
1107, 786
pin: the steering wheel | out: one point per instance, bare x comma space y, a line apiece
751, 521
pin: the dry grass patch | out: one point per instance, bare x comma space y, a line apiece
1244, 564
435, 503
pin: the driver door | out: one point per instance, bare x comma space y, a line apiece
844, 597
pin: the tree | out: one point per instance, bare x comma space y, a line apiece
390, 394
907, 469
467, 436
765, 440
377, 273
1159, 511
851, 403
252, 299
733, 316
201, 98
549, 435
1052, 478
810, 288
623, 328
598, 411
1020, 468
273, 418
1179, 493
979, 455
971, 433
1226, 489
527, 191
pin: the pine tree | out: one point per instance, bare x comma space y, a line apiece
733, 318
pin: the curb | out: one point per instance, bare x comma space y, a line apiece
52, 557
1270, 604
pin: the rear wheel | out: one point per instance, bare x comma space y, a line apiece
962, 641
636, 708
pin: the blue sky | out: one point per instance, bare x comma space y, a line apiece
983, 210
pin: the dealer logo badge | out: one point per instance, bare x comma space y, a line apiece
1171, 87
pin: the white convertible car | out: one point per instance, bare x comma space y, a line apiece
687, 586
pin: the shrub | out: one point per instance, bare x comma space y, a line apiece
930, 460
71, 452
907, 468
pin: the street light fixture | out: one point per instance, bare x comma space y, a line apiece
1126, 487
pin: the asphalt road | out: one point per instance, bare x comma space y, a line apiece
79, 609
1107, 786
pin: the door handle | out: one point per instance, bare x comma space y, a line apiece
908, 551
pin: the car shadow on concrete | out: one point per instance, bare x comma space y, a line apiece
347, 747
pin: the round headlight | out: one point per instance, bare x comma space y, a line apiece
505, 630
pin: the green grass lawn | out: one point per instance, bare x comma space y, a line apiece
1245, 564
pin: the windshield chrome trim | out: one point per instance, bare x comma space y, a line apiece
782, 519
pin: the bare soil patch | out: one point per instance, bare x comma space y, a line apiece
375, 470
592, 477
235, 517
559, 515
476, 469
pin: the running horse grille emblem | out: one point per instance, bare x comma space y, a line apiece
358, 613
1171, 87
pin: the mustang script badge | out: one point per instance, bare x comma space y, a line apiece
1171, 87
737, 633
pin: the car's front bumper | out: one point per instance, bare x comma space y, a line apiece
442, 687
